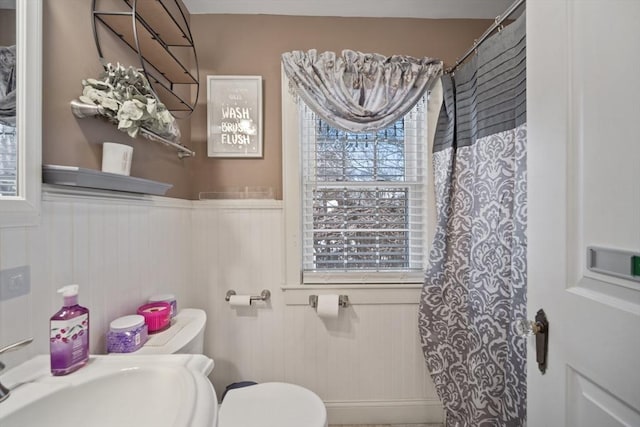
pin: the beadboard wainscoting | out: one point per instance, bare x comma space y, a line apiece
119, 248
366, 365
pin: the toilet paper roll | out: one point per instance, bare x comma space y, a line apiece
328, 306
240, 300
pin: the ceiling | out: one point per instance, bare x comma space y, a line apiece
436, 9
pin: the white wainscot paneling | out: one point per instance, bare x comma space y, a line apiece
367, 365
119, 250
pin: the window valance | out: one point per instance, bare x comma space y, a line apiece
359, 92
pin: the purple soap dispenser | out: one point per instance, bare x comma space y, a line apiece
69, 334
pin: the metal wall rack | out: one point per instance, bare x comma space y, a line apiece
158, 31
82, 110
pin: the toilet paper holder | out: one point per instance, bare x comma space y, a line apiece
264, 295
343, 301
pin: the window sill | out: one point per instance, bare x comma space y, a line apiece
358, 294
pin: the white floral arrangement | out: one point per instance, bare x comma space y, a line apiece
124, 96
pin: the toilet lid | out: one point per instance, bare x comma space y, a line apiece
272, 405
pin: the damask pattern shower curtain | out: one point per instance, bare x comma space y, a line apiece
475, 286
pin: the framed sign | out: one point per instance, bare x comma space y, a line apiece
234, 116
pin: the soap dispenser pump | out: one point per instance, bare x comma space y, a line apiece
69, 334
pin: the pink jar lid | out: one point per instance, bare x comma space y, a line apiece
156, 315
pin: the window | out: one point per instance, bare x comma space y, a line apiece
8, 161
355, 203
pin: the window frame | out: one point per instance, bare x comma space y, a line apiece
23, 210
292, 201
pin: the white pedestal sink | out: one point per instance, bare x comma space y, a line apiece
154, 391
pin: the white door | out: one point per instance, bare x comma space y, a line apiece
583, 73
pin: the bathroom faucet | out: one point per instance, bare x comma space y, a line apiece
4, 392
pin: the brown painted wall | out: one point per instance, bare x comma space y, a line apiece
252, 45
69, 56
226, 44
7, 27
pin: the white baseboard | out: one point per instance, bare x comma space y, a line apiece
418, 411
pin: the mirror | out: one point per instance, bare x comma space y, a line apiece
20, 111
8, 149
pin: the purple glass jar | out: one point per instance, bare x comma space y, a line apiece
127, 334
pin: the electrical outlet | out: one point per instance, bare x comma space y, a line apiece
15, 282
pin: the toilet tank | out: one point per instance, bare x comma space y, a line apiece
185, 335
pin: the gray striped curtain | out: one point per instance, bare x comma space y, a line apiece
475, 286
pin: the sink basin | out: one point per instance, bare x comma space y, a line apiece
158, 391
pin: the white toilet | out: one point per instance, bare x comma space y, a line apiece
261, 405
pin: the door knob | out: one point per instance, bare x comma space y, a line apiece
526, 328
540, 328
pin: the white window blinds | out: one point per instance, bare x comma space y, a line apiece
8, 161
363, 199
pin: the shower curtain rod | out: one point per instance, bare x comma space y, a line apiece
496, 24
